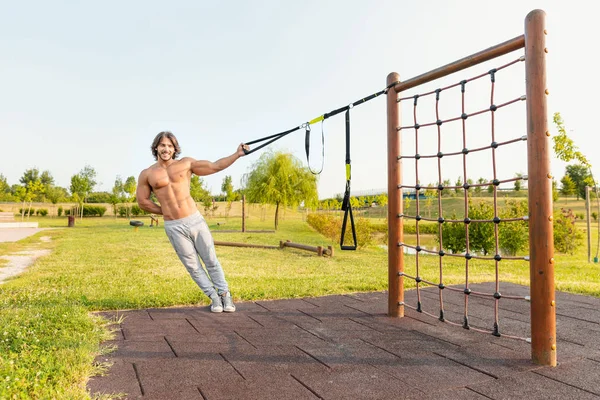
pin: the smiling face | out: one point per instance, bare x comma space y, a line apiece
165, 149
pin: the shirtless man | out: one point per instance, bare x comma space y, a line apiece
187, 230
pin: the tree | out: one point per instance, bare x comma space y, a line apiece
580, 175
56, 194
568, 186
32, 175
518, 183
478, 189
198, 192
20, 193
82, 184
5, 194
227, 188
34, 189
129, 189
279, 178
458, 184
117, 194
382, 200
565, 150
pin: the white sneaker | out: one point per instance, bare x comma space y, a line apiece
228, 305
217, 305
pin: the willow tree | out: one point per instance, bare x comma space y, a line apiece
279, 178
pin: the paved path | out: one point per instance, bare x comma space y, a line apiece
16, 234
345, 347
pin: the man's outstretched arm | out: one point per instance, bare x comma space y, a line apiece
142, 196
203, 167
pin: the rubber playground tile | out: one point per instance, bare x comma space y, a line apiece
286, 387
416, 367
278, 319
168, 375
333, 304
121, 378
350, 355
493, 360
584, 314
336, 324
133, 351
570, 373
223, 321
400, 346
341, 335
157, 314
289, 304
294, 336
179, 393
566, 351
208, 350
529, 385
272, 361
231, 338
578, 334
249, 307
157, 330
448, 394
361, 382
130, 315
568, 323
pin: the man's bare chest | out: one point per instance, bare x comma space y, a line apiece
161, 177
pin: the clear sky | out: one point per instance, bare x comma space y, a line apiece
92, 83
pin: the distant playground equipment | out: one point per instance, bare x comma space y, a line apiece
321, 251
136, 224
153, 220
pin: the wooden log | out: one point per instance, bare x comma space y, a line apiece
257, 246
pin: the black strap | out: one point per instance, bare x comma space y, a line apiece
274, 137
307, 147
346, 207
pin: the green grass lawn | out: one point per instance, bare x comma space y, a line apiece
49, 337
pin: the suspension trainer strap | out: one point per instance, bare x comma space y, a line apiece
307, 147
346, 207
273, 138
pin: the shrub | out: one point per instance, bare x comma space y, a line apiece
60, 211
93, 211
514, 235
567, 237
136, 210
331, 227
453, 235
27, 210
41, 211
481, 234
595, 216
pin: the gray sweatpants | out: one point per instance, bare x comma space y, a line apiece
191, 238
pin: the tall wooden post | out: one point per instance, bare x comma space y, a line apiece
541, 237
589, 227
395, 224
243, 213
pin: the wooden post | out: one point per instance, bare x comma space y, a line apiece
587, 218
395, 224
541, 238
243, 213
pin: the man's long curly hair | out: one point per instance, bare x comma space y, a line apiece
171, 137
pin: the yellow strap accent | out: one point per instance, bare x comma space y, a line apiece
347, 172
318, 119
